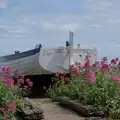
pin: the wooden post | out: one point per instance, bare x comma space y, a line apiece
70, 49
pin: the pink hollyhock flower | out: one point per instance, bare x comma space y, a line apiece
105, 66
102, 62
11, 107
3, 69
10, 82
73, 66
97, 63
25, 86
2, 79
87, 63
116, 78
30, 83
113, 61
90, 76
75, 71
57, 74
117, 59
21, 80
104, 59
17, 71
27, 80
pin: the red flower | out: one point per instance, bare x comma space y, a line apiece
113, 61
117, 59
104, 59
25, 86
11, 107
10, 82
102, 62
21, 80
105, 66
30, 83
73, 66
1, 110
17, 71
116, 78
57, 74
27, 80
90, 76
75, 71
97, 63
87, 63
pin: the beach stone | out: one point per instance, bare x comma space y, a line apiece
85, 110
31, 111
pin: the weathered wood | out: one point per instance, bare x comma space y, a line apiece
85, 110
31, 111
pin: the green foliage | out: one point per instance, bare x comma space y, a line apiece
11, 92
104, 94
97, 85
6, 97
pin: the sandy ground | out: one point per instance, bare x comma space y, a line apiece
54, 112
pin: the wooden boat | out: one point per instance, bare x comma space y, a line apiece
47, 61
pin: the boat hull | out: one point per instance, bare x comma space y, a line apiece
26, 62
45, 61
59, 60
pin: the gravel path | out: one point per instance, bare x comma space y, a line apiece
54, 112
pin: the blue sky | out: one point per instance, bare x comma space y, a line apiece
25, 23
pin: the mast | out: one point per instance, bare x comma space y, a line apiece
70, 50
71, 40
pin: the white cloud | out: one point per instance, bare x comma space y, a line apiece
107, 3
99, 5
115, 21
95, 26
103, 2
72, 27
3, 3
117, 46
48, 25
88, 17
59, 26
